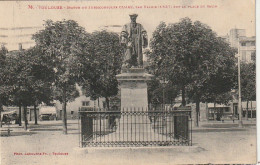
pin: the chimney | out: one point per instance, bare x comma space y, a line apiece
20, 46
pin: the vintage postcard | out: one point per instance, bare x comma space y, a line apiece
128, 82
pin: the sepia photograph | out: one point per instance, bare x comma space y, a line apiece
128, 82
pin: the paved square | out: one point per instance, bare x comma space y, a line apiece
45, 144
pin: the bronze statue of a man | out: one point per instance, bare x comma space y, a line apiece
134, 38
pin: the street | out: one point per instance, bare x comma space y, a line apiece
45, 144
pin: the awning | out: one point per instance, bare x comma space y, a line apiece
244, 103
177, 105
211, 105
8, 112
47, 110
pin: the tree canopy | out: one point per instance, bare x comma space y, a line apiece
248, 81
192, 57
106, 59
4, 79
64, 43
5, 88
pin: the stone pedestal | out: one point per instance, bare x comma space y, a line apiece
134, 125
133, 88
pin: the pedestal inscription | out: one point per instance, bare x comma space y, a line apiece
133, 88
134, 98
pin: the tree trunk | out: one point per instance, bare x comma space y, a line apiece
35, 114
20, 115
107, 103
183, 101
98, 103
94, 104
25, 117
1, 109
247, 110
215, 112
251, 111
64, 115
197, 113
207, 111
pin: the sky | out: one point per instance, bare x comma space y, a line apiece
220, 15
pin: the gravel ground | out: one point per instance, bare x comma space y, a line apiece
218, 143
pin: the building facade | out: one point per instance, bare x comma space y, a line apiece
80, 103
247, 49
246, 46
12, 38
234, 35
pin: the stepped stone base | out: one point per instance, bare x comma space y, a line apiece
130, 150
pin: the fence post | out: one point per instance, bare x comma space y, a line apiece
181, 127
86, 128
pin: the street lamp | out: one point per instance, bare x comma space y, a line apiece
163, 82
240, 123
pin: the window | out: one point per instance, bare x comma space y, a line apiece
243, 55
71, 112
243, 44
104, 104
253, 56
226, 109
253, 43
85, 103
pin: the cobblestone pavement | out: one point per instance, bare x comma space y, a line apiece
45, 144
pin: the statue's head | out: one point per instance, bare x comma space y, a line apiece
133, 17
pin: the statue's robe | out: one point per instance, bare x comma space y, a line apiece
135, 37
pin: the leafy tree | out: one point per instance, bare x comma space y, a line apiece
105, 60
19, 72
63, 42
248, 83
4, 81
192, 57
31, 80
42, 76
10, 82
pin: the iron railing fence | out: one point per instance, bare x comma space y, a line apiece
135, 127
